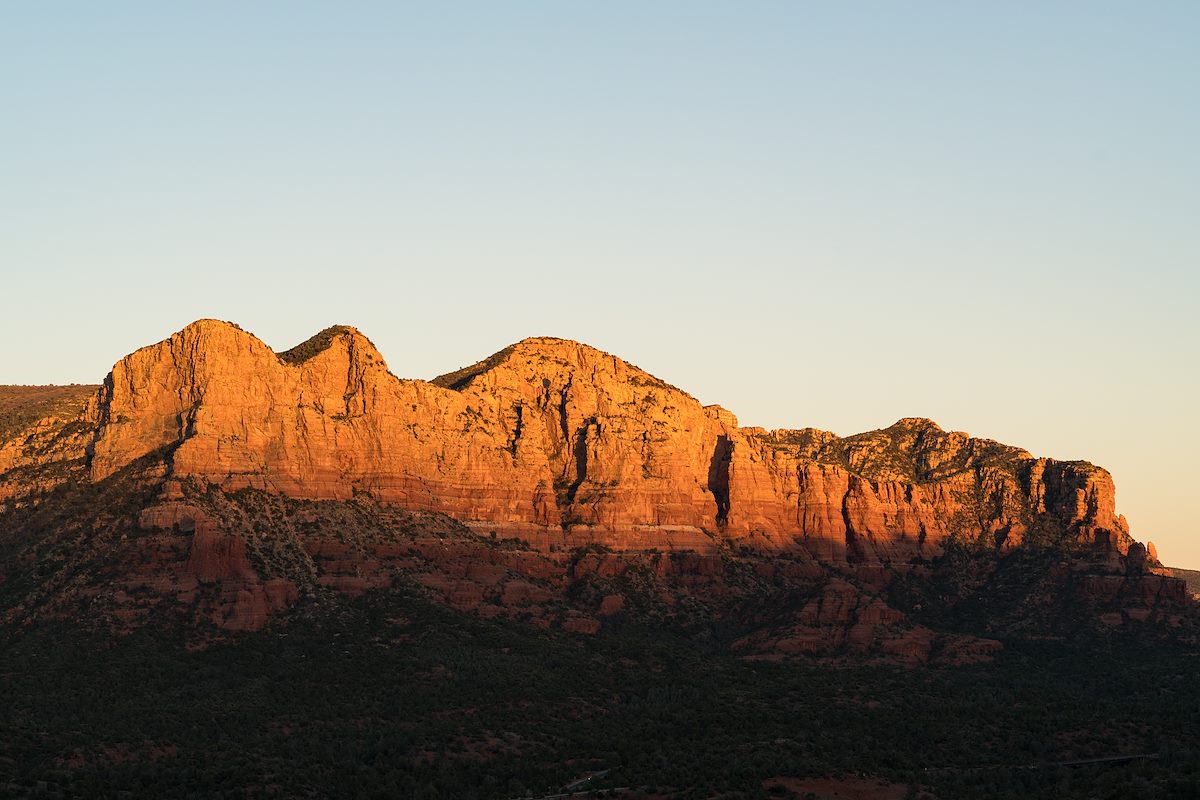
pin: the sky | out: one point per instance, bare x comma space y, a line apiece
814, 214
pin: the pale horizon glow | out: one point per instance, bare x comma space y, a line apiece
828, 216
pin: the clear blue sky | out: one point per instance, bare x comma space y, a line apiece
831, 215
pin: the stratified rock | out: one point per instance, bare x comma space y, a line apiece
563, 445
634, 498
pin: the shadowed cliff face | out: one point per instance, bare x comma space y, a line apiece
562, 445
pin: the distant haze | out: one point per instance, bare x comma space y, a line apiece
815, 216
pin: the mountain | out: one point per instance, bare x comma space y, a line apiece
561, 444
233, 572
550, 481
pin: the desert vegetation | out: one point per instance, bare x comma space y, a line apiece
21, 406
393, 696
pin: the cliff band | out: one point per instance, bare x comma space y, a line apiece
559, 444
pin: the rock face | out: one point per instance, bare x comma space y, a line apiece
563, 445
214, 479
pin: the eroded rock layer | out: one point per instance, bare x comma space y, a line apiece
562, 445
212, 479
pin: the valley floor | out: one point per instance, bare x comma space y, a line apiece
393, 696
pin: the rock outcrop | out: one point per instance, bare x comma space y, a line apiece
563, 445
551, 482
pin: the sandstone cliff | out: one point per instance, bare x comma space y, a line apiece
213, 478
562, 445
